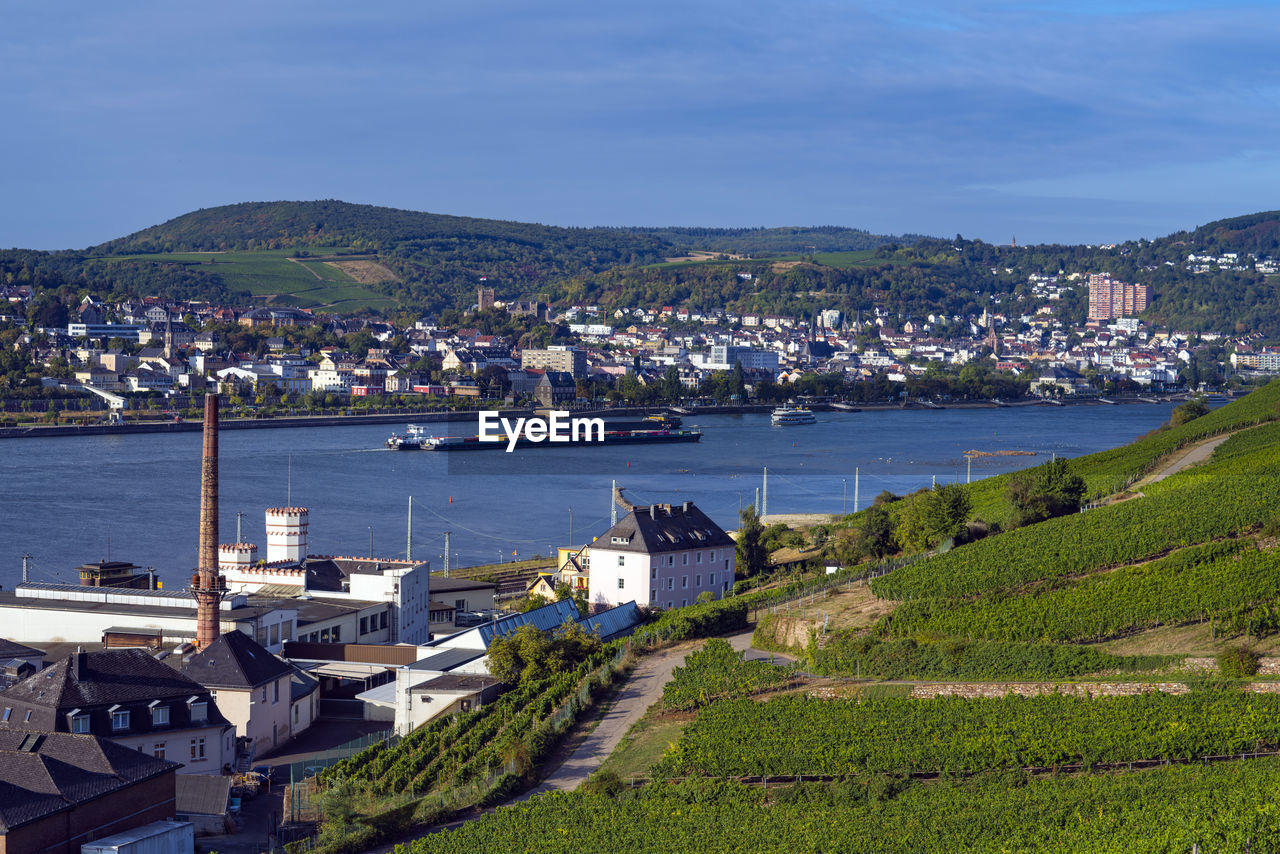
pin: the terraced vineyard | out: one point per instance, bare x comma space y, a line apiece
456, 749
1191, 509
717, 671
1175, 809
794, 735
1200, 583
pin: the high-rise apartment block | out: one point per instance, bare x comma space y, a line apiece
1109, 298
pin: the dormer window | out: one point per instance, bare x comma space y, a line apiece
199, 710
159, 713
119, 718
79, 720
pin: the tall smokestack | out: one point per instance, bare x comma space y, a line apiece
207, 585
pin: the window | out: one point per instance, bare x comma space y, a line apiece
684, 559
295, 715
364, 625
8, 710
27, 717
119, 720
382, 622
275, 691
158, 751
671, 560
337, 634
622, 560
459, 604
79, 723
671, 584
684, 602
159, 715
699, 557
684, 582
465, 705
199, 712
275, 634
653, 594
324, 636
726, 566
697, 581
621, 583
286, 631
711, 558
653, 573
197, 749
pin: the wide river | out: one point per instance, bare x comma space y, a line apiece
68, 501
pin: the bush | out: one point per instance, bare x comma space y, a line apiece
1237, 662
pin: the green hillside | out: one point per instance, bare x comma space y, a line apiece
272, 277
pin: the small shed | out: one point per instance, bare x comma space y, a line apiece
203, 800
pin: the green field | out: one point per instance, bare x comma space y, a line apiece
273, 277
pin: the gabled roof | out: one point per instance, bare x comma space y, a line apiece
13, 649
235, 660
661, 528
44, 773
105, 676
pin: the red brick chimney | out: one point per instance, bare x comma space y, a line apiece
207, 585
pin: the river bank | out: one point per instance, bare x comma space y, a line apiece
435, 416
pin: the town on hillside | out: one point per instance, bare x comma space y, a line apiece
95, 360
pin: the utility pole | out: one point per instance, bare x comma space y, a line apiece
26, 561
370, 541
855, 490
764, 495
446, 553
570, 526
613, 508
408, 545
239, 539
844, 495
968, 478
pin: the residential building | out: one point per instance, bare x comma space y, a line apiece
130, 697
250, 685
555, 388
59, 791
662, 555
1110, 298
569, 360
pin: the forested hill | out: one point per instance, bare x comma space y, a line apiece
775, 241
333, 224
278, 253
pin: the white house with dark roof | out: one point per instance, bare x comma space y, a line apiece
663, 555
251, 686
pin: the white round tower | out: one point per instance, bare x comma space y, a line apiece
286, 534
234, 558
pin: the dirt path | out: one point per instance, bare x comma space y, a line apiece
643, 689
1191, 456
305, 267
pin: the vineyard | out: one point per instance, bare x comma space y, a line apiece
860, 655
1175, 809
1206, 583
798, 735
718, 672
1187, 513
457, 749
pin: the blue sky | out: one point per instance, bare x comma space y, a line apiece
1054, 122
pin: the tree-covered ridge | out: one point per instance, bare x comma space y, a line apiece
774, 241
332, 223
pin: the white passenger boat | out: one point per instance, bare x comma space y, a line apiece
786, 415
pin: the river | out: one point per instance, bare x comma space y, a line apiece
68, 501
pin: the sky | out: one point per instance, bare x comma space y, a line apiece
1048, 122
